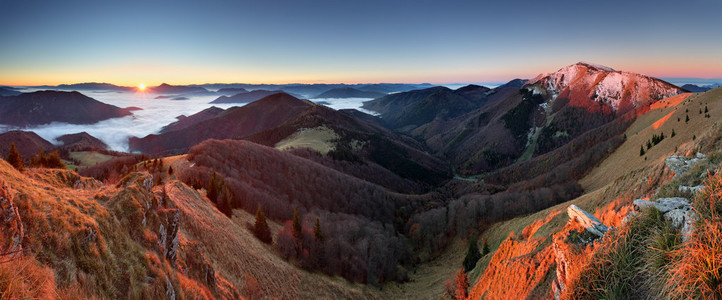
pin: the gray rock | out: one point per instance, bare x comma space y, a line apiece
678, 211
691, 189
667, 204
682, 164
629, 217
662, 204
168, 234
169, 291
587, 220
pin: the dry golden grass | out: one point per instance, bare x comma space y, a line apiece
25, 278
87, 247
319, 139
520, 265
626, 158
698, 272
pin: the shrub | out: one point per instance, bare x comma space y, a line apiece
15, 159
458, 290
52, 160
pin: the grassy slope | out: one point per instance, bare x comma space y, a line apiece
624, 175
319, 138
89, 158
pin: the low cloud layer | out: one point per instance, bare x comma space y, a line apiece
156, 113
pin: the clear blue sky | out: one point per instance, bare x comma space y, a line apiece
180, 42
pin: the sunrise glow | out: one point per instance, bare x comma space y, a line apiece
141, 87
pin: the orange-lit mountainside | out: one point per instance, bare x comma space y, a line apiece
584, 183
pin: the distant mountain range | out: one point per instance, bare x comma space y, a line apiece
699, 88
349, 92
8, 91
245, 97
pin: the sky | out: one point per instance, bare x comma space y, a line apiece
270, 41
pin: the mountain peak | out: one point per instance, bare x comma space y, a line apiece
585, 82
594, 66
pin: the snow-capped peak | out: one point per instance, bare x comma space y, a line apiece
596, 66
598, 83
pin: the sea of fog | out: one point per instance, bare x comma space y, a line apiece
155, 114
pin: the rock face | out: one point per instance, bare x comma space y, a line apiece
168, 233
11, 228
565, 255
682, 164
676, 210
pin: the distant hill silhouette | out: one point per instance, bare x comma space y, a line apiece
82, 140
45, 107
231, 91
696, 88
177, 89
28, 143
95, 86
7, 91
349, 92
245, 97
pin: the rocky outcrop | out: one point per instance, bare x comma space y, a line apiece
168, 234
678, 211
572, 246
691, 189
682, 164
11, 228
587, 220
194, 264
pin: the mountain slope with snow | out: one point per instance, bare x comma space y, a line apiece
583, 84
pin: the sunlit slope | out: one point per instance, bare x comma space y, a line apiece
610, 188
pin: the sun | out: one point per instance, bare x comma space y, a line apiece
141, 87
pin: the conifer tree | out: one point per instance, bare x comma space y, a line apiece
317, 231
641, 151
212, 192
297, 229
260, 228
15, 159
673, 134
472, 255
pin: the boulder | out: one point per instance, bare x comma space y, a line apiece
587, 220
